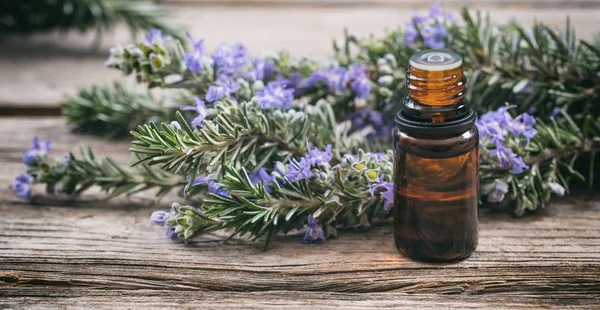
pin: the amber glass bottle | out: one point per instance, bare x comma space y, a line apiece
436, 164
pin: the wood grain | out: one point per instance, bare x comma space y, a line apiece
37, 70
88, 253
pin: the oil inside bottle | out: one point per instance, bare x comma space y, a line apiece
436, 172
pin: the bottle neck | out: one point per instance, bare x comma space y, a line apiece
435, 96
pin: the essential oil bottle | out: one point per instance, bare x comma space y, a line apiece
436, 162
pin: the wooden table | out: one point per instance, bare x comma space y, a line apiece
88, 253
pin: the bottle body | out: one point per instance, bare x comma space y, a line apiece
436, 195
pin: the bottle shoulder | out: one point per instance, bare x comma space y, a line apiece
438, 145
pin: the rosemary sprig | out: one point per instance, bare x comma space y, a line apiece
238, 135
24, 17
113, 112
72, 176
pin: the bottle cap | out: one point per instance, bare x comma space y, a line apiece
435, 60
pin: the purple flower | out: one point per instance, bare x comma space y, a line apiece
155, 36
294, 81
508, 159
319, 157
22, 185
410, 33
497, 194
364, 117
197, 181
159, 217
359, 83
333, 78
436, 12
229, 59
434, 36
432, 28
220, 90
501, 116
387, 195
216, 189
523, 124
170, 233
496, 124
200, 108
299, 170
263, 70
261, 176
555, 112
314, 231
201, 180
193, 60
38, 149
556, 188
275, 96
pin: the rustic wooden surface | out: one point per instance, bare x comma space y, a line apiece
57, 252
88, 253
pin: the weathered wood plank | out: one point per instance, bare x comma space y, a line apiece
33, 298
38, 70
88, 253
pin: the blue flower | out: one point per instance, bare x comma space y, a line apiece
275, 96
200, 108
294, 81
436, 12
229, 59
299, 170
201, 180
261, 176
556, 188
359, 83
410, 33
497, 194
159, 217
523, 124
37, 150
387, 194
314, 231
432, 28
170, 233
22, 185
333, 78
434, 36
216, 189
364, 117
508, 159
263, 70
220, 90
318, 157
197, 181
155, 36
193, 60
555, 112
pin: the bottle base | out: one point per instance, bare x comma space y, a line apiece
435, 252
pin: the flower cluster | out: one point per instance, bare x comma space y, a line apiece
308, 193
32, 158
500, 132
338, 79
430, 27
194, 60
302, 169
